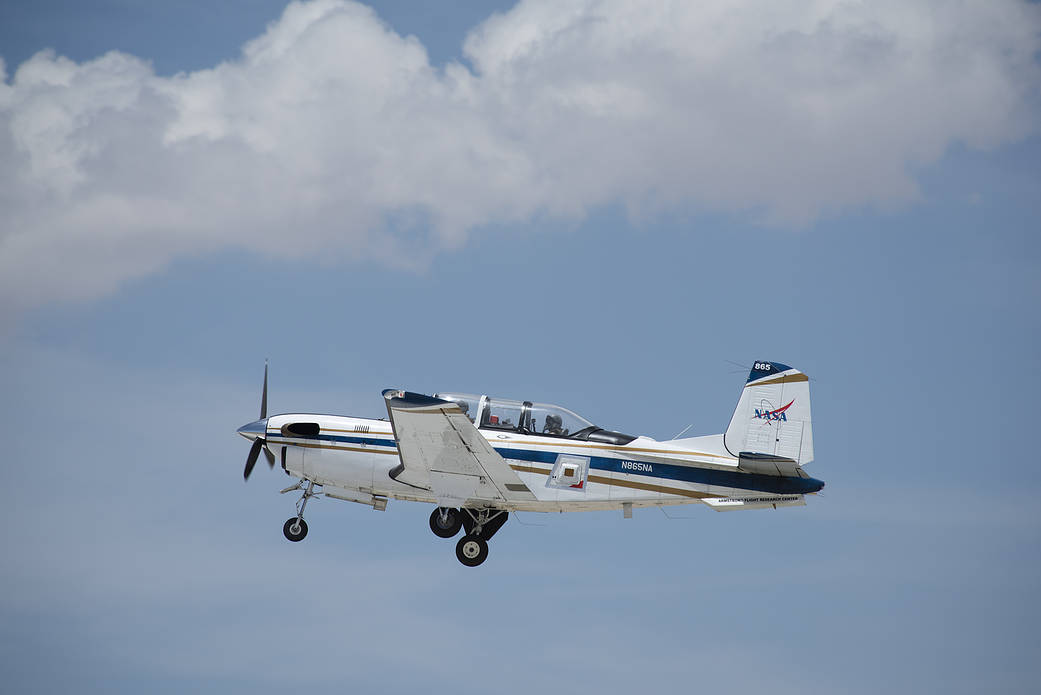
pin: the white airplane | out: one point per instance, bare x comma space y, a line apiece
478, 458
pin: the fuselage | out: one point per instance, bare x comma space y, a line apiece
352, 458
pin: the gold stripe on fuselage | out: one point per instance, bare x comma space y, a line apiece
357, 431
632, 484
554, 442
308, 445
526, 442
618, 449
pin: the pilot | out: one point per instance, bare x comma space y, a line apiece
554, 425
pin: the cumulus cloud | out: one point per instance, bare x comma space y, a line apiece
333, 135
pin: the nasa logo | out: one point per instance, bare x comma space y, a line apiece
638, 466
763, 412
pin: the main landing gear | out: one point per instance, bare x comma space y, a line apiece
445, 522
480, 525
295, 528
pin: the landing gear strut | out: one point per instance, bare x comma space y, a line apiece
480, 525
295, 528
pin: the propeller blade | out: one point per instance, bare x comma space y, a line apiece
263, 397
251, 460
270, 457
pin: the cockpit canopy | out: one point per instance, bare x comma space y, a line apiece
526, 417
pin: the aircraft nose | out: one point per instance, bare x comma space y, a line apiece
257, 428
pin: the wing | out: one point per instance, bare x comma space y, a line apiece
442, 451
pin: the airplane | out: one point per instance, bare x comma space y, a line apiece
477, 458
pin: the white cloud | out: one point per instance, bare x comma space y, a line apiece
332, 135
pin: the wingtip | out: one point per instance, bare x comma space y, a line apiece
408, 399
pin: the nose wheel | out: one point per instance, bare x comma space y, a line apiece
295, 529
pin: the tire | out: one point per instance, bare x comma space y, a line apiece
452, 524
471, 550
295, 534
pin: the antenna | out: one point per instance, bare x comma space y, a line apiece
684, 431
744, 367
670, 517
516, 516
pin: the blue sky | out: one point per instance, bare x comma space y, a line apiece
585, 205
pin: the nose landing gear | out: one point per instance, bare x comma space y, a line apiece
295, 528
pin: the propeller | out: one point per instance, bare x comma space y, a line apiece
254, 451
263, 395
258, 429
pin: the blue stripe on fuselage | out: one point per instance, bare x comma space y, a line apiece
691, 474
352, 440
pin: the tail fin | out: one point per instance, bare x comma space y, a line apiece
772, 418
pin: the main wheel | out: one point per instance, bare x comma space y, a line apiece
295, 529
449, 525
471, 550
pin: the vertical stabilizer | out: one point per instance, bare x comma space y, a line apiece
773, 415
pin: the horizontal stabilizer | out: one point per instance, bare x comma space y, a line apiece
729, 504
768, 464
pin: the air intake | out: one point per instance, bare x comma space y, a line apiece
301, 429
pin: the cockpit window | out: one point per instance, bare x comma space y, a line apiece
466, 402
502, 415
532, 418
554, 420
